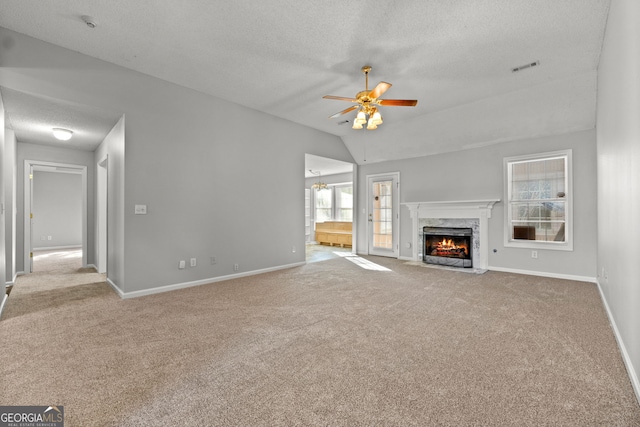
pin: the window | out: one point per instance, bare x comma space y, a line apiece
324, 205
539, 201
344, 203
334, 203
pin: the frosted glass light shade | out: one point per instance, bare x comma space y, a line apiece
62, 134
361, 118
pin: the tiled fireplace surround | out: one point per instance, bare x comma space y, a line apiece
473, 214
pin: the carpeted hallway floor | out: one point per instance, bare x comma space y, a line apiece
328, 343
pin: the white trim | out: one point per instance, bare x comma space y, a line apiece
176, 286
27, 244
567, 245
115, 288
544, 274
13, 281
633, 375
474, 209
4, 302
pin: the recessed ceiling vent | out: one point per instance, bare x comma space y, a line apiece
524, 67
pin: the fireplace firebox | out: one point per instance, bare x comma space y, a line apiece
448, 246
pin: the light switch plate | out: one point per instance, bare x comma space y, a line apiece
141, 209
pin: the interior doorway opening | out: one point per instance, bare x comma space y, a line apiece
330, 211
70, 225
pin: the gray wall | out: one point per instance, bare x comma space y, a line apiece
57, 210
479, 175
619, 177
10, 180
209, 171
3, 174
113, 149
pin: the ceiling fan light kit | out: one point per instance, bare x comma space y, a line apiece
368, 102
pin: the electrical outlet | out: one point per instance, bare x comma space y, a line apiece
193, 262
213, 260
48, 237
235, 267
293, 249
182, 265
534, 254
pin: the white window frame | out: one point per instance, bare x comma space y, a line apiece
334, 207
509, 242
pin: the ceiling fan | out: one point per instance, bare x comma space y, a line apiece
368, 101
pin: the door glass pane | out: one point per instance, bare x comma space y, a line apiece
382, 215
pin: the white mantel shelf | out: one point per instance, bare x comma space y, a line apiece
475, 209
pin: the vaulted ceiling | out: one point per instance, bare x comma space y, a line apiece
281, 57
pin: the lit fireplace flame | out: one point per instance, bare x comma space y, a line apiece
447, 244
448, 248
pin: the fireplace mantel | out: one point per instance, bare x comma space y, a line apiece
478, 209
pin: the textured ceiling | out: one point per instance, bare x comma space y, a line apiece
32, 117
282, 56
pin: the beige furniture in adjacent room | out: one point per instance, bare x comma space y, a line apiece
334, 233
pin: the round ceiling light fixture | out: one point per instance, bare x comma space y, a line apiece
62, 134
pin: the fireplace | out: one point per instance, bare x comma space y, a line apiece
448, 246
479, 210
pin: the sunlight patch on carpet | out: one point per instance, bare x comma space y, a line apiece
61, 254
344, 254
366, 264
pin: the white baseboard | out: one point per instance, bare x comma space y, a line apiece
633, 375
115, 288
544, 274
15, 277
167, 288
405, 258
3, 303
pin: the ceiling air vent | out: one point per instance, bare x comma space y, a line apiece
525, 66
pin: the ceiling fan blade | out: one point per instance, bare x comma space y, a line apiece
348, 110
398, 102
379, 90
340, 98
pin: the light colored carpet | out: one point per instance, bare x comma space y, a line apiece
328, 343
54, 269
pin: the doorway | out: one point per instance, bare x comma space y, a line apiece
382, 214
333, 201
31, 239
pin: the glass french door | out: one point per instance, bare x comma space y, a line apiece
382, 214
